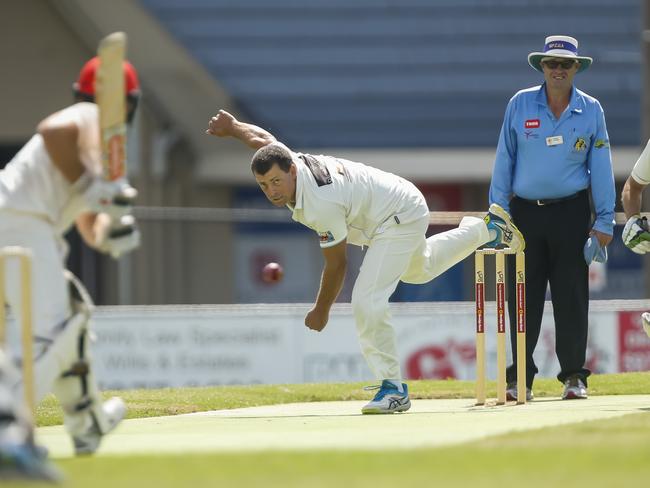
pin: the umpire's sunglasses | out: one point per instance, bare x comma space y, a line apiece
552, 64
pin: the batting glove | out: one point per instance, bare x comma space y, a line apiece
121, 237
636, 234
114, 198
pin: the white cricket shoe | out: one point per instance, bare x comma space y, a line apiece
388, 399
87, 443
508, 235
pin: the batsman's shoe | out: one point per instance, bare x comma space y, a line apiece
26, 462
388, 399
511, 393
645, 320
574, 389
508, 235
87, 443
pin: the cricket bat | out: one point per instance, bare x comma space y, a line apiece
111, 99
110, 96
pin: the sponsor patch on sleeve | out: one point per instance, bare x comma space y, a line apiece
601, 143
325, 237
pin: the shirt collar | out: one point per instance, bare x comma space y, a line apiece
576, 101
300, 180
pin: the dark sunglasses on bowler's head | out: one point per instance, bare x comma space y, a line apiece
568, 64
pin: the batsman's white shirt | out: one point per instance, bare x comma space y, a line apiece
641, 170
342, 199
37, 206
31, 184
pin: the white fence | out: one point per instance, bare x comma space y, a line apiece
140, 347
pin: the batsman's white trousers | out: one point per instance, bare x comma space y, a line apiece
401, 252
55, 347
50, 300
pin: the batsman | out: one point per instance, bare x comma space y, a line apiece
55, 181
636, 234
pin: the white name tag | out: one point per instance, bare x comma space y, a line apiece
554, 140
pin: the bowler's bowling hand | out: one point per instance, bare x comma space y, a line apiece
221, 125
317, 319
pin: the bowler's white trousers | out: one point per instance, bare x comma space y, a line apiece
401, 252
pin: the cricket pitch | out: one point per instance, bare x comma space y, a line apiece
340, 425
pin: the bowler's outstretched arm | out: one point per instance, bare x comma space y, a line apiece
225, 124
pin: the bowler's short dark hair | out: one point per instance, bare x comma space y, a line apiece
265, 157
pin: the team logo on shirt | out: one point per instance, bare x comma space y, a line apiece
530, 133
531, 124
601, 143
580, 144
325, 237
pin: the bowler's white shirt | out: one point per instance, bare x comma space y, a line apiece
342, 199
31, 184
641, 170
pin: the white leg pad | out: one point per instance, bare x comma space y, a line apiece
76, 387
77, 391
65, 368
10, 403
16, 426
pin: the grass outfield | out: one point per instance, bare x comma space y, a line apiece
174, 401
604, 453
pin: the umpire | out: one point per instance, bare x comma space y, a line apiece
553, 151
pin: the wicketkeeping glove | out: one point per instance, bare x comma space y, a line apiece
636, 234
121, 237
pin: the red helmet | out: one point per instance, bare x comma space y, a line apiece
85, 84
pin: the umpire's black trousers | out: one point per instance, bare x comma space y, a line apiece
555, 235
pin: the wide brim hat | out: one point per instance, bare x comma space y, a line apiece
559, 47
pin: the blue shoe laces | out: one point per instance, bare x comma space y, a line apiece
386, 387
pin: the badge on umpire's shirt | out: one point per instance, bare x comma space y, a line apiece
554, 141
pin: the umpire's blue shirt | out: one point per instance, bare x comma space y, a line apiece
540, 157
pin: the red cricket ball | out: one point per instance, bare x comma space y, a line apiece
272, 273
